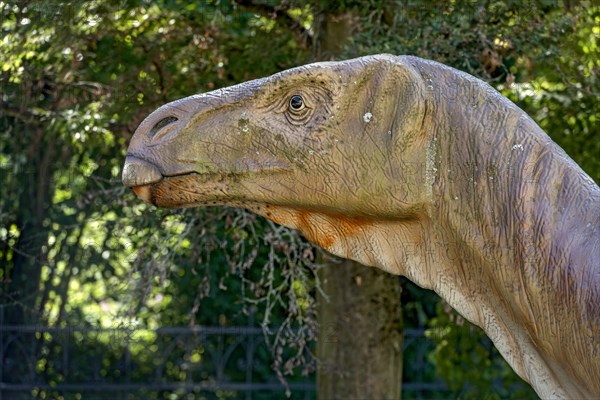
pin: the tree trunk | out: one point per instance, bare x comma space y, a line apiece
360, 336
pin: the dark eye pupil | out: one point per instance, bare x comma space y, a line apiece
296, 102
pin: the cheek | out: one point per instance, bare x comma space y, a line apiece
273, 133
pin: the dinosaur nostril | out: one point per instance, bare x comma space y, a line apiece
161, 124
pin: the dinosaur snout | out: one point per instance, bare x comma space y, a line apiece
166, 145
146, 162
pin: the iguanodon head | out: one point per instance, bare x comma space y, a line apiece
339, 137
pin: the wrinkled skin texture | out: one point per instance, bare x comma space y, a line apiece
415, 168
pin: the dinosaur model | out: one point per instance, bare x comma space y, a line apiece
413, 167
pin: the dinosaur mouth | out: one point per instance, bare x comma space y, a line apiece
185, 190
191, 189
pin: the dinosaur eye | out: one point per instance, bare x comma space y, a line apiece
298, 110
296, 103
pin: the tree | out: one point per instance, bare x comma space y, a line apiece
76, 79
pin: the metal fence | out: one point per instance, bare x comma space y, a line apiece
166, 363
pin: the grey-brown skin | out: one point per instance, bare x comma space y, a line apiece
415, 168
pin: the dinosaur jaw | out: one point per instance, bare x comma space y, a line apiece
207, 189
189, 190
197, 188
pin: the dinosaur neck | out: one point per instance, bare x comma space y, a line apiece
511, 200
507, 202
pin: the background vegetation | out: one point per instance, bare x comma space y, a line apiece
77, 248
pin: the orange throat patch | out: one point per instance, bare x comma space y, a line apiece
320, 228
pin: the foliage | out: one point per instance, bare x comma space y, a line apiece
78, 249
77, 77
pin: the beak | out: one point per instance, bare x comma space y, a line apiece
139, 175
